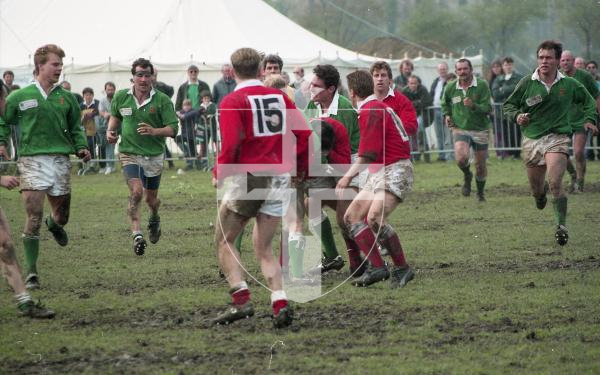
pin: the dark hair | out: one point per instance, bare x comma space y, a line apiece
87, 90
361, 82
109, 83
381, 65
205, 93
407, 62
593, 62
329, 74
463, 60
550, 44
142, 63
508, 60
273, 59
8, 73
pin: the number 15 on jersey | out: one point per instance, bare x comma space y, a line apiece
268, 114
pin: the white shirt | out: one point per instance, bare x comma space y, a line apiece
536, 77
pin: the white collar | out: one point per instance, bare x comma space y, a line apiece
248, 83
139, 105
39, 87
369, 98
536, 76
473, 83
333, 107
193, 83
507, 76
88, 105
390, 93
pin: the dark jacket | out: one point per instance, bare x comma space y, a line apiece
502, 88
164, 88
421, 100
222, 88
182, 93
433, 85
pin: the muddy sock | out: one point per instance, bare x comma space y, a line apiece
390, 240
32, 250
560, 210
321, 227
278, 301
480, 185
466, 170
296, 245
353, 253
240, 294
365, 239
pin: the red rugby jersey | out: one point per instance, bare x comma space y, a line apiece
405, 109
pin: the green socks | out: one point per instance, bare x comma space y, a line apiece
560, 210
51, 223
296, 244
466, 169
480, 186
32, 249
322, 228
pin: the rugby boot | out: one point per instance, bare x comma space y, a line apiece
466, 188
562, 235
540, 202
481, 197
35, 310
58, 232
371, 276
139, 245
328, 264
360, 270
284, 317
32, 281
235, 312
400, 276
154, 229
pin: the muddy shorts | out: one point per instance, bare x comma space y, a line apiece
146, 168
49, 173
396, 178
478, 139
251, 195
359, 180
535, 149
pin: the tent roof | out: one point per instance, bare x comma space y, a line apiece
167, 31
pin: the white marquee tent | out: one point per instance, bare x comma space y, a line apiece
101, 39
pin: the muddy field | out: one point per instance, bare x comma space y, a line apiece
493, 293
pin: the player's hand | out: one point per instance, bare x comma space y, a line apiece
468, 102
9, 182
342, 184
145, 129
449, 122
523, 119
84, 154
112, 137
4, 153
217, 184
591, 127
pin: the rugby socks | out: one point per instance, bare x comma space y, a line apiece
480, 185
240, 294
390, 240
238, 242
23, 300
296, 245
560, 210
353, 252
365, 239
31, 245
278, 301
466, 170
322, 228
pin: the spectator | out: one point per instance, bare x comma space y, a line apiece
9, 78
189, 118
509, 135
579, 62
67, 86
106, 150
421, 100
225, 85
299, 77
208, 126
89, 121
442, 133
191, 89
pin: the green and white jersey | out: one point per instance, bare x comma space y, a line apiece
576, 116
156, 111
475, 118
549, 107
341, 109
49, 124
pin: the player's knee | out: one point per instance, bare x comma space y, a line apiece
373, 221
135, 195
555, 188
7, 251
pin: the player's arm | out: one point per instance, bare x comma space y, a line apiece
512, 105
76, 130
589, 106
7, 116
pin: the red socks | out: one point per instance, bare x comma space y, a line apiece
365, 239
240, 296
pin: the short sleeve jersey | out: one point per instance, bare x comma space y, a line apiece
157, 111
382, 136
